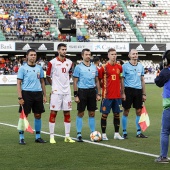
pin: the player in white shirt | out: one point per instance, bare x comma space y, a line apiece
58, 75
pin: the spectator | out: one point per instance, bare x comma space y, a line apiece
46, 9
143, 14
139, 3
87, 38
150, 26
165, 12
22, 36
47, 34
36, 34
47, 24
154, 3
33, 35
146, 70
2, 10
6, 70
52, 7
7, 29
52, 35
150, 69
40, 34
18, 34
159, 12
30, 19
36, 20
155, 26
103, 35
15, 69
27, 3
102, 2
68, 38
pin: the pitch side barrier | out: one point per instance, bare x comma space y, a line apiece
9, 46
12, 79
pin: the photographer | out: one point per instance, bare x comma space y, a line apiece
163, 80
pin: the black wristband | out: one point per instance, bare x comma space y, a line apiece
99, 95
19, 98
144, 94
75, 93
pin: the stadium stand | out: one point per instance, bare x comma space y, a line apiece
97, 20
26, 20
155, 13
103, 21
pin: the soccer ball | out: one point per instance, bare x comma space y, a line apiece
95, 136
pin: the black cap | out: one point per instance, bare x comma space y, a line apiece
166, 55
95, 59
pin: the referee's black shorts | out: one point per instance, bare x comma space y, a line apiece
87, 99
133, 96
32, 101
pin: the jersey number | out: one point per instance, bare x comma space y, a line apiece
113, 77
63, 70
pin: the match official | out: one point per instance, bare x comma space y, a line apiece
85, 82
31, 93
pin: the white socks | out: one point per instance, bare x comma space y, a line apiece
51, 128
67, 129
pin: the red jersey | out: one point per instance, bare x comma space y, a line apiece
98, 69
110, 75
46, 8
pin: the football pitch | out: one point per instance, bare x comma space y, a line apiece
131, 154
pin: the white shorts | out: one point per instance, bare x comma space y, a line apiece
60, 102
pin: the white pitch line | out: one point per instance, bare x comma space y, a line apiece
10, 106
97, 143
14, 105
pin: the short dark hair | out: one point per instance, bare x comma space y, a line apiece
111, 49
85, 49
121, 62
96, 59
30, 50
61, 45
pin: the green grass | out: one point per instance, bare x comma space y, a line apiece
75, 156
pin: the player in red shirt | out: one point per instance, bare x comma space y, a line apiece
109, 75
58, 74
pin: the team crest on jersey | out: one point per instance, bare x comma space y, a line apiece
53, 106
67, 65
104, 108
118, 71
38, 75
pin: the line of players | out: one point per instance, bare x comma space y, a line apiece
121, 85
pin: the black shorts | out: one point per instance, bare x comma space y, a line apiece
133, 96
87, 98
32, 101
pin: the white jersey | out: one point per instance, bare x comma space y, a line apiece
59, 72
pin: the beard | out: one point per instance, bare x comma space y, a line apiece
32, 60
62, 55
